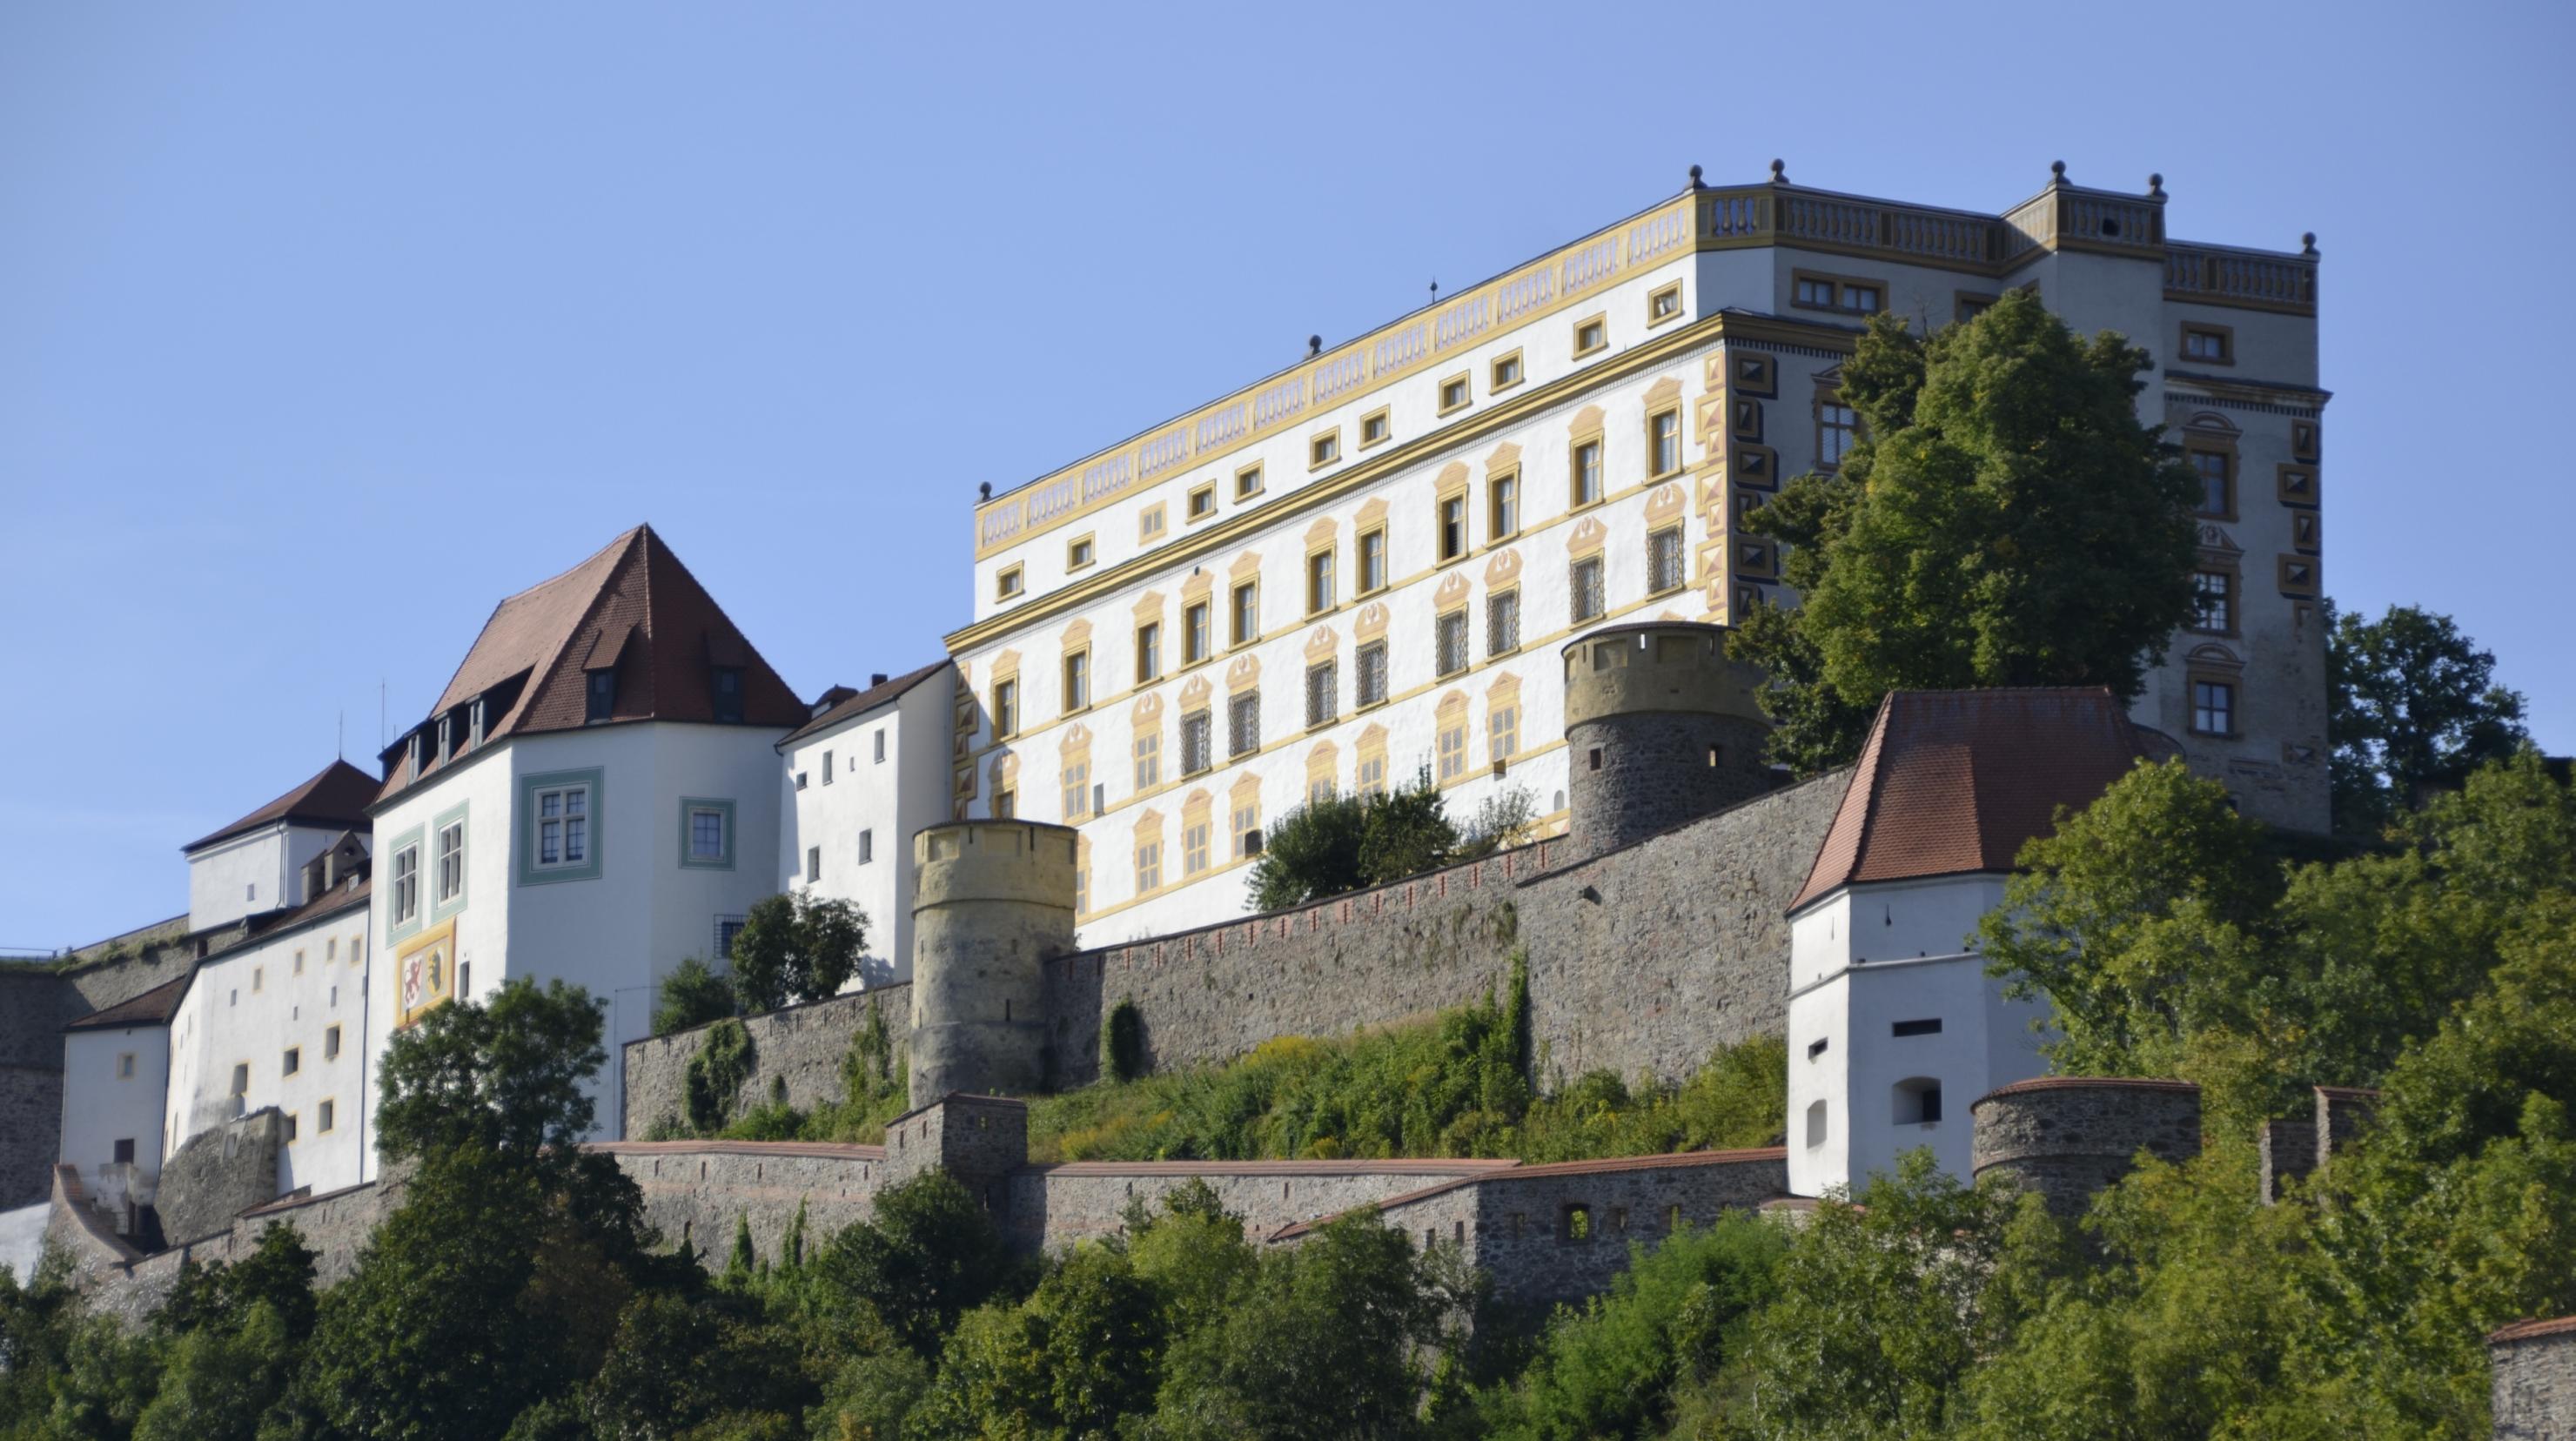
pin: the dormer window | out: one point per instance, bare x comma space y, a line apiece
418, 753
447, 737
728, 685
601, 695
478, 718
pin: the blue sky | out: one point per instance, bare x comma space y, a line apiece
323, 327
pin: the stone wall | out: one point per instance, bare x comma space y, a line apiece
2534, 1393
31, 1129
1645, 959
802, 1046
1084, 1200
36, 1002
219, 1174
2068, 1137
696, 1191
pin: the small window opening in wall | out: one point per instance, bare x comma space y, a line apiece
1816, 1123
1458, 1231
1574, 1223
1672, 1218
241, 1079
1283, 1190
1917, 1028
1918, 1101
1594, 759
1006, 1011
1430, 1237
1619, 1220
1713, 755
125, 1152
1816, 1047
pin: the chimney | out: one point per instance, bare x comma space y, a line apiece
876, 679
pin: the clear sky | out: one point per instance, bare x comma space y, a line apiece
325, 326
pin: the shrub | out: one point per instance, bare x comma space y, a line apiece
1122, 1042
692, 995
716, 1073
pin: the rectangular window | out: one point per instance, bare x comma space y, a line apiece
2213, 602
1371, 685
1006, 804
1504, 373
2217, 488
867, 847
1009, 583
325, 1116
293, 1130
241, 1079
1243, 724
1319, 582
1077, 789
1452, 647
1247, 482
2213, 708
1503, 505
1247, 613
1502, 622
879, 739
1080, 552
1664, 441
1591, 336
125, 1066
1664, 304
1324, 449
406, 899
1837, 427
1372, 777
1586, 472
1373, 562
1247, 830
1664, 560
1006, 709
1323, 693
1916, 1028
1453, 750
728, 694
827, 768
1194, 632
291, 1062
727, 927
814, 857
1967, 305
451, 861
706, 834
1149, 866
1077, 681
1197, 751
1149, 652
1149, 760
1838, 293
1374, 428
1150, 525
2209, 344
1503, 732
1196, 846
600, 697
1453, 527
1454, 393
1586, 586
331, 1043
1201, 504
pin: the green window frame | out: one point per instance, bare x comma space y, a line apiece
456, 816
691, 807
595, 810
396, 927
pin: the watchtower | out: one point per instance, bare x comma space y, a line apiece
992, 903
2068, 1137
1660, 728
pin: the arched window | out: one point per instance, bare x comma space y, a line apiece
1816, 1123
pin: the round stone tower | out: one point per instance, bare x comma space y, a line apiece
2068, 1137
992, 902
1660, 728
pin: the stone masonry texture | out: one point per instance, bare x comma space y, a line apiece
2067, 1138
1654, 772
36, 1002
2534, 1383
801, 1046
219, 1174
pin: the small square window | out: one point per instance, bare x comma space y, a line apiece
1149, 525
1080, 553
1374, 428
1454, 394
2213, 708
2209, 344
1008, 584
1324, 449
1247, 482
1664, 304
1201, 503
125, 1066
1592, 336
292, 1062
1505, 372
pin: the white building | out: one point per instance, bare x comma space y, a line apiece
594, 798
252, 866
867, 771
1894, 1025
1361, 566
116, 1067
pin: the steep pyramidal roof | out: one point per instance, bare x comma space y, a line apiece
633, 608
337, 795
1955, 781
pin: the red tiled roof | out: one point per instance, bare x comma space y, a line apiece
153, 1008
863, 702
1954, 781
819, 1150
634, 606
2532, 1330
347, 895
336, 795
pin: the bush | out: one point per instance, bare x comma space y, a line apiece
1122, 1042
716, 1073
692, 995
1341, 843
794, 948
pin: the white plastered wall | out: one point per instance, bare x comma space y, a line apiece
886, 799
101, 1106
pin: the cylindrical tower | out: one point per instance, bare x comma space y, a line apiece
1660, 728
2068, 1137
992, 902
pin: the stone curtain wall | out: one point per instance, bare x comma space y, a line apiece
1373, 957
35, 1004
1645, 959
699, 1190
2534, 1392
803, 1045
1087, 1200
219, 1174
1521, 1225
2068, 1137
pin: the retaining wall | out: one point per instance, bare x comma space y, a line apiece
801, 1045
2534, 1393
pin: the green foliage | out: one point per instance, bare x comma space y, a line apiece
2413, 707
1079, 1354
714, 1076
212, 1296
929, 1255
1503, 819
1122, 1041
1335, 844
2006, 520
692, 995
1408, 832
1311, 851
505, 1075
876, 1087
795, 948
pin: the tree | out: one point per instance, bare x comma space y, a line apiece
1340, 843
505, 1075
928, 1256
692, 995
2007, 520
794, 948
2413, 707
1311, 851
1409, 832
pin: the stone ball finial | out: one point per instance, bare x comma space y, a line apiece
2308, 243
1314, 345
2155, 185
1779, 172
1695, 178
2057, 170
